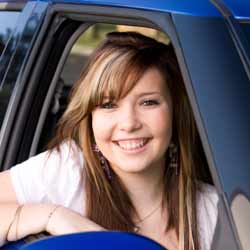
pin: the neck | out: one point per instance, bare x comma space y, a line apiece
145, 188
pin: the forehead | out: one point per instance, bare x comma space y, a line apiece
152, 80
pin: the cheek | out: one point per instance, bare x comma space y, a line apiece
161, 123
102, 126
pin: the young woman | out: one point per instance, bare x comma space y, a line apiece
126, 156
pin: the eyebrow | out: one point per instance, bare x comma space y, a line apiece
149, 93
139, 95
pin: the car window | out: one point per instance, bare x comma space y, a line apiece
71, 71
78, 56
7, 24
8, 21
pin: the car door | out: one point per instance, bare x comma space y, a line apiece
217, 58
237, 19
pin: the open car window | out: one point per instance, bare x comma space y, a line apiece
72, 69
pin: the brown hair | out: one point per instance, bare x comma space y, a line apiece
115, 67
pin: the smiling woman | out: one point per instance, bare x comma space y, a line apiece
134, 133
125, 157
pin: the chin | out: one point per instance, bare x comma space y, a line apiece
131, 168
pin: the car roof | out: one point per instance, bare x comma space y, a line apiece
203, 8
239, 8
187, 7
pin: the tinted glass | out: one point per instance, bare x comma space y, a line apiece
7, 24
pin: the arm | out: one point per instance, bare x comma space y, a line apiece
35, 218
8, 208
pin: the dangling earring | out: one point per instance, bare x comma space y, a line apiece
173, 155
103, 161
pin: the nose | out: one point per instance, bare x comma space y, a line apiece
129, 120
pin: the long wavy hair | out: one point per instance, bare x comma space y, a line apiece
114, 68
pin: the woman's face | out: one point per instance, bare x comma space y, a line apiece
134, 133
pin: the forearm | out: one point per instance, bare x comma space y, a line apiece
32, 219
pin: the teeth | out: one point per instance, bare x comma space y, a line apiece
132, 144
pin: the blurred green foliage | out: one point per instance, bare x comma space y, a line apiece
95, 34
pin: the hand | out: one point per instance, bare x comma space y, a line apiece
65, 221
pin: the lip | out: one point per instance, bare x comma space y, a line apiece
132, 150
132, 138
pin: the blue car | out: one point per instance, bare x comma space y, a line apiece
44, 44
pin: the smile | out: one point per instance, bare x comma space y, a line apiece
132, 144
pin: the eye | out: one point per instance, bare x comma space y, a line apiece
107, 105
150, 103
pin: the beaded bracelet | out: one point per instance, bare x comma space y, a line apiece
17, 220
51, 213
15, 217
